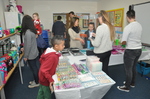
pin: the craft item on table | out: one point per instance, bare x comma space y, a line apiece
119, 47
114, 52
90, 84
117, 42
98, 73
93, 63
66, 75
124, 46
80, 68
76, 69
90, 59
95, 66
63, 64
72, 83
86, 77
57, 86
103, 79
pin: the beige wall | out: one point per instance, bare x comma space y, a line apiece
47, 8
3, 4
115, 4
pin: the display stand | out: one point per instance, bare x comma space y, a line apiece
9, 74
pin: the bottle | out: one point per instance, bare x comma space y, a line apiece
1, 33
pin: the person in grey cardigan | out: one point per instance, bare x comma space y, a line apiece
30, 48
74, 31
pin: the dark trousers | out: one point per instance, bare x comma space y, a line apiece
34, 66
104, 58
130, 60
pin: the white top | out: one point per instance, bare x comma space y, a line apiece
132, 35
102, 42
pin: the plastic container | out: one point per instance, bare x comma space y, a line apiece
12, 30
88, 44
142, 68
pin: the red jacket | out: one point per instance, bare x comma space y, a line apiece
49, 61
37, 25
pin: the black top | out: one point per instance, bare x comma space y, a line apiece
58, 28
76, 29
87, 38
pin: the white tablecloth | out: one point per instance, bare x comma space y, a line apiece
118, 58
95, 92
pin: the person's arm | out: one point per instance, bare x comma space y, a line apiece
46, 68
64, 30
125, 35
53, 28
27, 44
98, 37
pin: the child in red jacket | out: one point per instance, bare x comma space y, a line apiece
49, 61
37, 23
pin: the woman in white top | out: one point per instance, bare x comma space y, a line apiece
104, 36
75, 40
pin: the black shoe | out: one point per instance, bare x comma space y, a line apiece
123, 88
131, 85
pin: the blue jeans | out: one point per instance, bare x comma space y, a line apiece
130, 60
34, 66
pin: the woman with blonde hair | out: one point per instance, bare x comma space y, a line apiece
104, 37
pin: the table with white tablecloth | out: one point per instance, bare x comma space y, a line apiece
118, 58
94, 92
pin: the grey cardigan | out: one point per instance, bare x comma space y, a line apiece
74, 43
30, 45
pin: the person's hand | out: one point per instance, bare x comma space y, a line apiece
82, 41
64, 36
25, 59
51, 86
93, 34
36, 36
90, 39
22, 49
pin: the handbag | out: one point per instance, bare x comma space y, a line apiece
41, 43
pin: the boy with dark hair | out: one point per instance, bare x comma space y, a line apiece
49, 61
132, 39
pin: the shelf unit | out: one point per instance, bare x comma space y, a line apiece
7, 36
12, 70
2, 93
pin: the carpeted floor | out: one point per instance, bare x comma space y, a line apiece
15, 90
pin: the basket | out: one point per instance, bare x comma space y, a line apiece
143, 68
